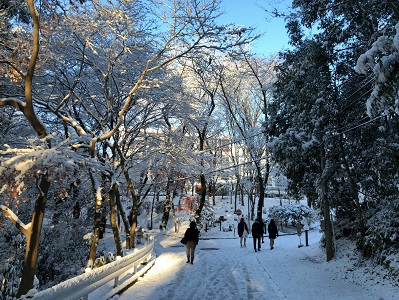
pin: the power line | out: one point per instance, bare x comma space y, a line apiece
235, 141
225, 168
362, 124
237, 165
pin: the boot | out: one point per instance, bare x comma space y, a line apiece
188, 259
192, 259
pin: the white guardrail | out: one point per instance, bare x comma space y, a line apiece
81, 286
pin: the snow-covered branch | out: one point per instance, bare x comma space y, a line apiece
382, 60
9, 101
23, 228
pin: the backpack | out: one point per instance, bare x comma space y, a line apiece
256, 228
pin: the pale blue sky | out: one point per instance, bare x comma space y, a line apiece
249, 13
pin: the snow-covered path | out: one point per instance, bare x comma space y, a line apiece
223, 270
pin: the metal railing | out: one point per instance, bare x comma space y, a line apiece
81, 286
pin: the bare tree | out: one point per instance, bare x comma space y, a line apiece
244, 94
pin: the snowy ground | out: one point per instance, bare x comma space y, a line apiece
224, 270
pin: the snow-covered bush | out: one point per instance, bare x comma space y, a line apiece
110, 257
99, 262
207, 217
381, 239
146, 205
103, 259
11, 271
290, 212
63, 252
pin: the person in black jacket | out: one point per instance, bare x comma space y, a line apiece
242, 230
273, 233
256, 233
191, 235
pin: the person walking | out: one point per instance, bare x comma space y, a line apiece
242, 230
273, 233
256, 233
191, 235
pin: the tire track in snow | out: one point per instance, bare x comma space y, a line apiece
228, 277
278, 292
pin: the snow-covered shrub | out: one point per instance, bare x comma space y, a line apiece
12, 260
63, 252
381, 239
99, 262
103, 259
207, 217
146, 205
290, 212
110, 258
139, 235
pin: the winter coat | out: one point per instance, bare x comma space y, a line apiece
192, 233
256, 229
241, 227
272, 230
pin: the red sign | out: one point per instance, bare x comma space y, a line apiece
238, 212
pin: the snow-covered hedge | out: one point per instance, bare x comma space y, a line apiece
290, 212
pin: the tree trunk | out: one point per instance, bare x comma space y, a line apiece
152, 208
33, 237
237, 188
326, 209
174, 218
202, 199
112, 197
33, 234
130, 240
97, 221
123, 216
166, 208
351, 181
132, 233
261, 191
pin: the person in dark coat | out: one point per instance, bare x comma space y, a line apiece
273, 233
191, 235
242, 230
256, 233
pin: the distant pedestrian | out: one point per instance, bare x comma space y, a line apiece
242, 230
273, 233
256, 233
191, 235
